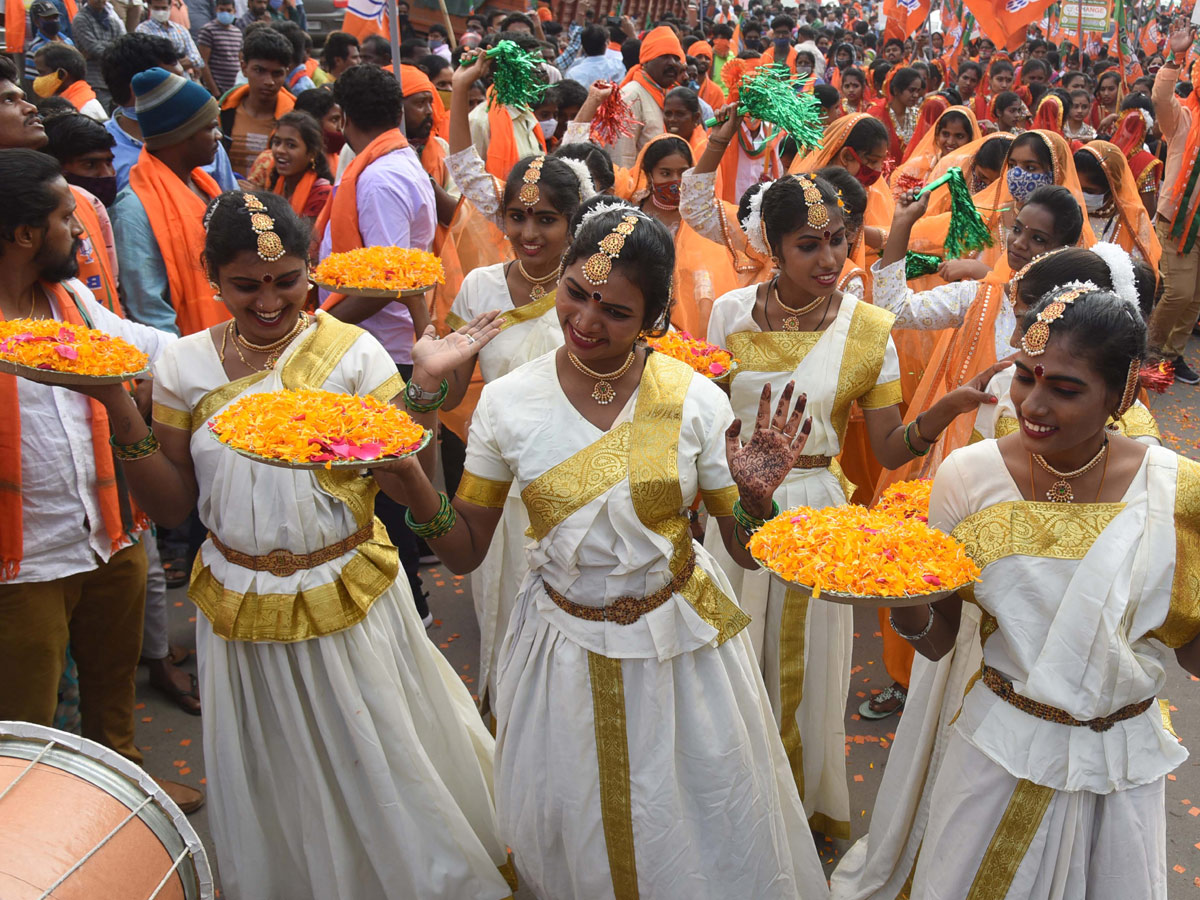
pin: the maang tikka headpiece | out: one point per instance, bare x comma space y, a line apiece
529, 193
599, 265
269, 246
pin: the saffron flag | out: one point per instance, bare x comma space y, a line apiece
1005, 21
366, 17
904, 17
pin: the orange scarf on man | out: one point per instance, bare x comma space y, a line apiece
341, 213
502, 153
285, 102
710, 92
768, 58
661, 41
12, 538
95, 268
177, 214
78, 93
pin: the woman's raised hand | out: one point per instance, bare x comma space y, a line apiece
438, 357
759, 467
728, 122
473, 66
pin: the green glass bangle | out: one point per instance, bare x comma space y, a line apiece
749, 523
908, 441
434, 405
439, 526
147, 446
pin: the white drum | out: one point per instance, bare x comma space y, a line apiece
80, 822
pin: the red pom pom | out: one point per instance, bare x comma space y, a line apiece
614, 120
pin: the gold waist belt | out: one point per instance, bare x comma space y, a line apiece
1003, 689
813, 462
625, 610
285, 562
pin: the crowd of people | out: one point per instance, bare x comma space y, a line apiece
657, 715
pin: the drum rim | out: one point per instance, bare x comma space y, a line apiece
100, 766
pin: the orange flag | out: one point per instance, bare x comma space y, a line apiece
1005, 21
904, 17
365, 17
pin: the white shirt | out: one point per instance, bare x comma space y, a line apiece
524, 126
62, 527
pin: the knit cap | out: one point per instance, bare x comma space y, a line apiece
170, 109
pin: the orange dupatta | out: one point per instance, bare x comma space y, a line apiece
300, 195
924, 152
95, 268
1134, 229
502, 153
341, 213
78, 93
12, 538
727, 172
176, 213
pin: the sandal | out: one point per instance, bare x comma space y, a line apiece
188, 701
886, 703
175, 571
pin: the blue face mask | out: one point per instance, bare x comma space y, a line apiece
1021, 183
275, 4
225, 18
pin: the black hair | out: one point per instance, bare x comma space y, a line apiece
313, 136
855, 72
647, 257
999, 66
558, 183
439, 28
662, 148
411, 48
370, 97
904, 78
597, 160
827, 95
130, 54
722, 31
1102, 328
337, 46
743, 210
269, 45
1034, 65
968, 66
1086, 163
1148, 285
866, 135
72, 135
687, 97
1004, 100
852, 194
54, 106
1055, 269
8, 70
1108, 73
593, 40
25, 178
783, 22
432, 64
295, 36
955, 116
569, 92
57, 55
1036, 143
377, 45
317, 102
784, 209
1080, 92
893, 42
228, 232
631, 52
1137, 101
1068, 77
516, 19
879, 72
1068, 217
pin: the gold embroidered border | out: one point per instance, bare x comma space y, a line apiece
1005, 425
311, 612
354, 489
481, 491
1022, 528
1011, 841
720, 503
1138, 422
309, 366
388, 391
793, 625
882, 396
862, 360
509, 871
454, 321
1183, 618
975, 437
518, 315
612, 757
1164, 709
218, 397
771, 351
575, 482
171, 417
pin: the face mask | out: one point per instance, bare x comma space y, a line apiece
162, 16
104, 187
548, 126
781, 46
1094, 202
721, 46
275, 4
334, 141
434, 43
225, 18
1021, 183
666, 194
48, 27
47, 85
445, 95
866, 175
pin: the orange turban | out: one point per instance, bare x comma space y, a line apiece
701, 48
544, 13
414, 81
660, 42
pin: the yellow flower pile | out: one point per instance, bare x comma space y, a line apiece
707, 359
57, 346
907, 499
317, 426
862, 552
381, 269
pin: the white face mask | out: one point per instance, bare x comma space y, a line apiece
161, 16
1094, 202
548, 126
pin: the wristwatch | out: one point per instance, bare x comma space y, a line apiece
417, 395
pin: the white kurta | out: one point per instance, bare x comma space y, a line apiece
630, 758
345, 759
804, 645
529, 331
1002, 799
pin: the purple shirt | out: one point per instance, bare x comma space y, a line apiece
396, 208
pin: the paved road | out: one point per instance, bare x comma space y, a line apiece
172, 745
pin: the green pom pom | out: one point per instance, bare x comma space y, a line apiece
918, 264
772, 94
967, 232
516, 76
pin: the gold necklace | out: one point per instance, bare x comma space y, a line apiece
1060, 491
792, 322
536, 292
274, 350
603, 393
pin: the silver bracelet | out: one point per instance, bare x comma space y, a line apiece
912, 637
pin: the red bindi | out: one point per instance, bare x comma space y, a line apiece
268, 278
1039, 371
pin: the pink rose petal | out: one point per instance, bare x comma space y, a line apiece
66, 351
932, 579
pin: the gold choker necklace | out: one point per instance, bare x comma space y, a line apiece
1060, 491
537, 292
603, 393
792, 321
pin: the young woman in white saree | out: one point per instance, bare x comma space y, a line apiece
1049, 782
344, 757
635, 752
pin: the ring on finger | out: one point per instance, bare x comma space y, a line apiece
470, 338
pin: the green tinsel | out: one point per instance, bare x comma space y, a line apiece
773, 95
516, 76
967, 231
918, 264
